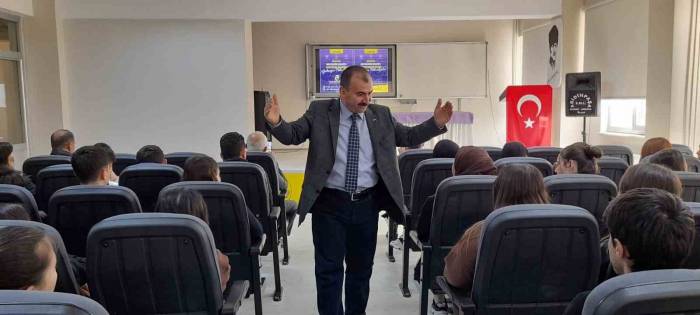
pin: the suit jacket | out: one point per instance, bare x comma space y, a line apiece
320, 126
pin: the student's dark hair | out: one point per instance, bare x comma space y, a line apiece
553, 36
647, 175
350, 71
88, 161
513, 149
200, 168
5, 152
670, 158
108, 149
21, 260
13, 211
654, 225
231, 143
183, 200
9, 176
519, 184
150, 154
61, 138
585, 156
445, 149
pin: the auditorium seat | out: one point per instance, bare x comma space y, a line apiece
179, 158
691, 186
158, 263
52, 179
13, 302
407, 164
684, 149
34, 164
147, 179
693, 260
74, 210
66, 281
460, 202
693, 164
494, 152
123, 160
286, 220
618, 151
673, 291
20, 195
551, 154
590, 192
612, 167
541, 164
251, 179
561, 260
426, 178
228, 221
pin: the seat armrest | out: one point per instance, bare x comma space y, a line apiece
234, 296
275, 213
415, 239
256, 248
460, 299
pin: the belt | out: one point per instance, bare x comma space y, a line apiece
346, 196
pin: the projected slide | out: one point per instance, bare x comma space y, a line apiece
332, 62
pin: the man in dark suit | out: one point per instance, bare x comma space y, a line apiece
351, 173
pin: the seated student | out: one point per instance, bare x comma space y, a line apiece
650, 229
233, 147
578, 158
516, 184
513, 149
188, 201
151, 154
8, 174
654, 145
204, 168
13, 211
445, 149
113, 179
670, 158
92, 166
62, 142
27, 260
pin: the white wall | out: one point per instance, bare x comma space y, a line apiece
180, 84
21, 7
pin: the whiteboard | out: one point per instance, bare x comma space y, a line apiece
430, 70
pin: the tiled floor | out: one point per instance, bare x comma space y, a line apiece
299, 296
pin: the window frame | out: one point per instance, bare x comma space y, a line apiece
606, 128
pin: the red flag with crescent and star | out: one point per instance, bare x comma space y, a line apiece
529, 115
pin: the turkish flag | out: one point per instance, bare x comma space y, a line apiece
529, 114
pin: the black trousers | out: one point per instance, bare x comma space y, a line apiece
343, 231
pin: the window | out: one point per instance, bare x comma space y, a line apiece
624, 115
12, 127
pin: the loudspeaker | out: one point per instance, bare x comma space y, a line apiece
260, 98
582, 94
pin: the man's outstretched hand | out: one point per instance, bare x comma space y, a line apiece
272, 111
442, 113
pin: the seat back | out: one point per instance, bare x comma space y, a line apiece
426, 178
66, 279
20, 195
675, 291
618, 151
228, 221
179, 158
154, 263
612, 167
693, 164
147, 179
534, 259
407, 164
33, 165
36, 302
494, 152
548, 153
590, 192
123, 160
541, 164
268, 163
693, 260
74, 210
684, 149
52, 179
691, 186
460, 201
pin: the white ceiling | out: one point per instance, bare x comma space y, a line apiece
308, 10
